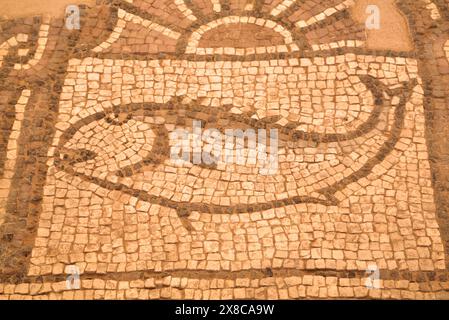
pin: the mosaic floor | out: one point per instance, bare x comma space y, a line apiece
92, 205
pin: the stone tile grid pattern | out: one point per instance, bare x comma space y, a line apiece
387, 217
295, 287
371, 224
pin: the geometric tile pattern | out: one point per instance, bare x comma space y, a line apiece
87, 179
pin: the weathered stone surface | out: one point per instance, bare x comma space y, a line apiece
89, 183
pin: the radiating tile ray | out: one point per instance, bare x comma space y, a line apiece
10, 43
11, 152
41, 45
123, 18
284, 5
185, 10
325, 14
